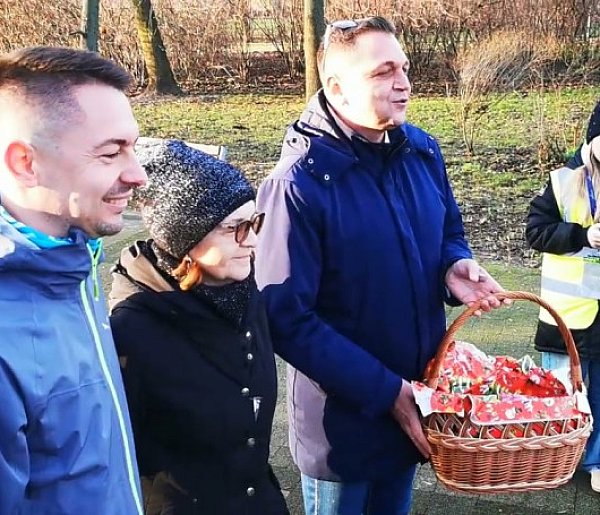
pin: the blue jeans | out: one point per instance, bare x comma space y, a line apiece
591, 375
391, 497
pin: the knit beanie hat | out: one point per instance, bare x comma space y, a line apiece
187, 195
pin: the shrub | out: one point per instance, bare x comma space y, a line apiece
501, 63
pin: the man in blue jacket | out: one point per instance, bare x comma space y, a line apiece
67, 170
362, 244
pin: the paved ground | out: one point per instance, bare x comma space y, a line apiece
430, 497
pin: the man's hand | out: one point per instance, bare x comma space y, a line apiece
470, 283
406, 414
593, 236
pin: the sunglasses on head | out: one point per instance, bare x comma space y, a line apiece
242, 229
339, 25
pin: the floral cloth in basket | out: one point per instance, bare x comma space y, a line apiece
500, 390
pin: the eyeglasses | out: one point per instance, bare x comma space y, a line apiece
242, 229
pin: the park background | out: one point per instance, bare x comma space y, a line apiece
506, 87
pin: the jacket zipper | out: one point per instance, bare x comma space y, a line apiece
113, 392
95, 257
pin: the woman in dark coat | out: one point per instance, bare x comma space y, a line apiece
195, 349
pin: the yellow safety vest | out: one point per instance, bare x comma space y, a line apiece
571, 282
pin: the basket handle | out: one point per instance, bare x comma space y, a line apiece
433, 372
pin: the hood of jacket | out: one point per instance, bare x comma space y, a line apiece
319, 145
135, 274
136, 282
52, 270
138, 285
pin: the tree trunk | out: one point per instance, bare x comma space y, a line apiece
314, 27
160, 74
90, 20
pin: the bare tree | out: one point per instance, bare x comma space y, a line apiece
90, 21
314, 27
279, 26
491, 69
240, 23
160, 74
211, 45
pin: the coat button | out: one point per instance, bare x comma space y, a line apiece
250, 491
245, 392
431, 151
248, 335
250, 356
251, 442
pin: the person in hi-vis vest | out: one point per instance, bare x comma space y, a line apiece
564, 223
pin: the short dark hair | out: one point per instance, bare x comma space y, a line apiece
34, 66
44, 77
346, 36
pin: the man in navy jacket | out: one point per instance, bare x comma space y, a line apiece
362, 243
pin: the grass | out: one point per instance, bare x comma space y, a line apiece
521, 137
252, 125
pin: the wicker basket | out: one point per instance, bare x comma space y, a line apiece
487, 465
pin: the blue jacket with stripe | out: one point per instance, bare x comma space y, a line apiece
352, 258
65, 439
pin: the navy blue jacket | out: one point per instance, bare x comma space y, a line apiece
352, 259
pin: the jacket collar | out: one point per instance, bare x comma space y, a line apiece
328, 150
318, 120
55, 271
325, 151
134, 273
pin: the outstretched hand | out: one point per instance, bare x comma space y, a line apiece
405, 412
470, 283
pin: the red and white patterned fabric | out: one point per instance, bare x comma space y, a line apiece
498, 390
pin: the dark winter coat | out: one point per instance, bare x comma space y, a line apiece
191, 377
352, 258
547, 232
